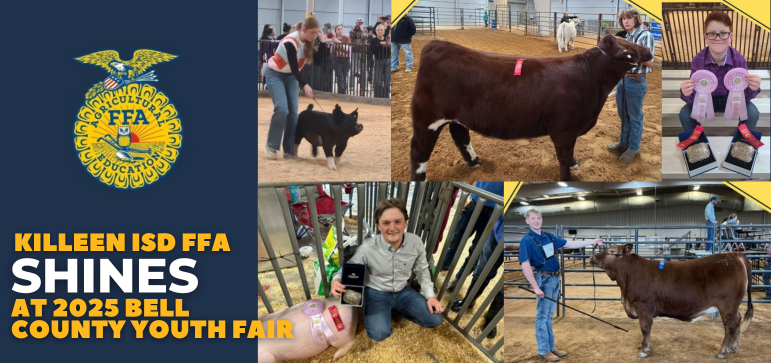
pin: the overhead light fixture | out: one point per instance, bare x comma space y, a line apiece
581, 198
545, 196
696, 187
562, 184
524, 203
639, 191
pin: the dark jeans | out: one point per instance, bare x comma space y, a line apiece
342, 66
477, 230
710, 235
382, 81
407, 302
718, 103
487, 253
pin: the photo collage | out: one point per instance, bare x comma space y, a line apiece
438, 183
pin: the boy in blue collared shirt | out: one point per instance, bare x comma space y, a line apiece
537, 251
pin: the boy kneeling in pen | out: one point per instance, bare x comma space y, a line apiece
391, 258
537, 251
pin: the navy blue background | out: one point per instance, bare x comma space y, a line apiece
212, 188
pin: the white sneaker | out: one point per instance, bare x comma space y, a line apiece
408, 71
270, 152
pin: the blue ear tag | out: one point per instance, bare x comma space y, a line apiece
661, 265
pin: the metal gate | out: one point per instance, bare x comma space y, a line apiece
427, 203
425, 19
684, 37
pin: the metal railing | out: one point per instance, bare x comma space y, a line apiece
428, 205
684, 37
638, 240
348, 69
425, 19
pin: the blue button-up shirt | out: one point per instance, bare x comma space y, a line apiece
709, 212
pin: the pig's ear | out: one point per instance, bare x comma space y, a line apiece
628, 248
337, 107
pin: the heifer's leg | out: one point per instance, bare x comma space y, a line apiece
731, 321
734, 346
426, 128
646, 322
462, 140
564, 146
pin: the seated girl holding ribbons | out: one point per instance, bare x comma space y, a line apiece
720, 59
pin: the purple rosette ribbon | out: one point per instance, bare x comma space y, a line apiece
736, 106
706, 83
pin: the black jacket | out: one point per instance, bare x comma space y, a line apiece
403, 31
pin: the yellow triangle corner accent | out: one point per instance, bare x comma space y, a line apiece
757, 192
759, 12
510, 189
399, 8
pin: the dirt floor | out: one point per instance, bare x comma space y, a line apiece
588, 340
524, 160
409, 342
367, 157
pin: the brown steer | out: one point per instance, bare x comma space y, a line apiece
683, 290
473, 90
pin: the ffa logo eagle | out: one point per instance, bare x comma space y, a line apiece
127, 133
124, 72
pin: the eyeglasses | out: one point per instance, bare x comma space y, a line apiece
723, 35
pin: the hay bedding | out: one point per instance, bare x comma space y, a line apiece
588, 340
409, 342
525, 160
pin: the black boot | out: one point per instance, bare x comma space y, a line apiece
458, 304
453, 284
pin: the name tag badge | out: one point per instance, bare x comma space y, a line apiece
549, 250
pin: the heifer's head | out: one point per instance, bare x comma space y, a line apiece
623, 51
606, 258
348, 122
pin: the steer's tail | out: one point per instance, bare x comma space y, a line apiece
748, 315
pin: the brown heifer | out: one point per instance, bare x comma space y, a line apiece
683, 290
473, 90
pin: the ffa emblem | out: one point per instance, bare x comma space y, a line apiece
127, 132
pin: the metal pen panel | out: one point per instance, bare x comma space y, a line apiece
382, 188
336, 190
488, 266
483, 307
272, 256
264, 297
474, 256
458, 211
403, 190
360, 219
281, 192
417, 199
310, 192
461, 247
443, 198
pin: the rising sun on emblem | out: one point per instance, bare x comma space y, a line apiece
127, 133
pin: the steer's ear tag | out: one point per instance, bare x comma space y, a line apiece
629, 56
661, 265
518, 67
